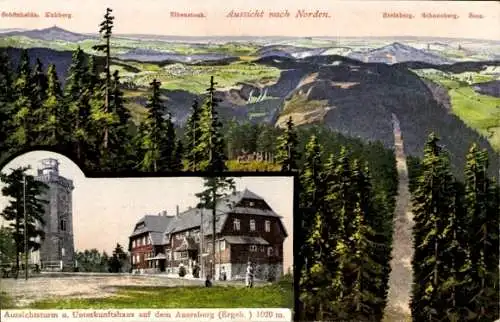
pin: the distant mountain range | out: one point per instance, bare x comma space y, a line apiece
287, 47
49, 34
399, 53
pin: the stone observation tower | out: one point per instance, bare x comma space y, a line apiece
58, 249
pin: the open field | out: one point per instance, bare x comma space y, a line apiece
125, 291
123, 45
480, 112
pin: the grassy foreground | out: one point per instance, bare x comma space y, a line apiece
272, 296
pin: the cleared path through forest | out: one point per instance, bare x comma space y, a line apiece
400, 279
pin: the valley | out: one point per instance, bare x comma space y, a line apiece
352, 86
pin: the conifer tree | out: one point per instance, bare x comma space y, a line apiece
15, 190
158, 135
341, 203
40, 83
116, 156
287, 155
23, 121
53, 113
77, 92
311, 198
366, 273
6, 99
193, 135
211, 144
178, 156
216, 188
481, 203
106, 30
433, 203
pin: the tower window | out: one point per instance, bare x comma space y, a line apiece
62, 225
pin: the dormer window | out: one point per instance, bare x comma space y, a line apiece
236, 224
251, 203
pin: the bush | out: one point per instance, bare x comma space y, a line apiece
182, 271
254, 166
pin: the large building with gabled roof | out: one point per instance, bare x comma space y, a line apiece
246, 229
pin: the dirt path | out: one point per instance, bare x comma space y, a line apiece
401, 275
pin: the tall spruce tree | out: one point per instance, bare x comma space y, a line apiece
40, 83
211, 144
193, 135
433, 203
117, 155
106, 31
77, 92
6, 99
313, 272
178, 156
366, 301
53, 113
158, 135
24, 104
341, 202
287, 155
482, 207
19, 195
216, 188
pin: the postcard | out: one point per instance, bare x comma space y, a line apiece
265, 161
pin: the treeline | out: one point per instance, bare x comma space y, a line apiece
344, 260
94, 261
456, 231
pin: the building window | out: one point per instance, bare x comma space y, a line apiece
262, 249
251, 203
252, 225
133, 259
222, 245
253, 248
268, 226
180, 255
62, 225
236, 224
270, 251
133, 244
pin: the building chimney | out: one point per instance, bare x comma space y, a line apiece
177, 210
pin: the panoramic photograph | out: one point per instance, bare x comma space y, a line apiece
388, 113
142, 242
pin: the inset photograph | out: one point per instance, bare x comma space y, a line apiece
68, 241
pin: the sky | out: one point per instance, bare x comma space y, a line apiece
105, 210
353, 18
